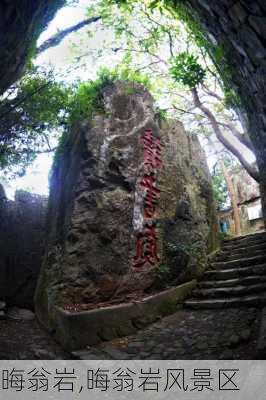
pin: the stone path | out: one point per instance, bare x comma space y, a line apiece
188, 334
191, 333
234, 286
25, 340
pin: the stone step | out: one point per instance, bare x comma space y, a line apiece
241, 247
243, 243
229, 291
251, 236
227, 273
258, 300
246, 280
238, 254
242, 262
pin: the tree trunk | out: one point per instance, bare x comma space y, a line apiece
233, 198
56, 39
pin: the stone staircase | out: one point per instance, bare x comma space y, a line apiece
237, 275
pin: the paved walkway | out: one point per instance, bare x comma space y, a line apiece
25, 340
187, 334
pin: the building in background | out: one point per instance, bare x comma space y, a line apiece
249, 205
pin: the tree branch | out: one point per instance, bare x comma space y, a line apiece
56, 39
171, 45
46, 151
243, 138
211, 93
219, 134
183, 111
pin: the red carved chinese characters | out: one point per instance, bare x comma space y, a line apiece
152, 193
146, 241
152, 151
146, 247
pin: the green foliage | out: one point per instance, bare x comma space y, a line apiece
163, 277
162, 273
219, 188
146, 33
135, 77
38, 109
190, 249
161, 114
29, 115
218, 53
63, 142
186, 69
197, 34
43, 99
187, 15
88, 97
232, 100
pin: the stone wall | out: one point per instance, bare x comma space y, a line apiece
240, 28
22, 235
131, 207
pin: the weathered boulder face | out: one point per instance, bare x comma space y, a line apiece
131, 206
22, 236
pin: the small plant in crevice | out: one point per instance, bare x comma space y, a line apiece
86, 99
190, 249
162, 273
161, 114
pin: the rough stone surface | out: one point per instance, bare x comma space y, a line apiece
187, 334
21, 22
101, 242
77, 330
204, 334
195, 335
21, 314
22, 235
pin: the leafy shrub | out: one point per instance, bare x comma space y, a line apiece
186, 69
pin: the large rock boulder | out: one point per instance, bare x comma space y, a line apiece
22, 237
131, 207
